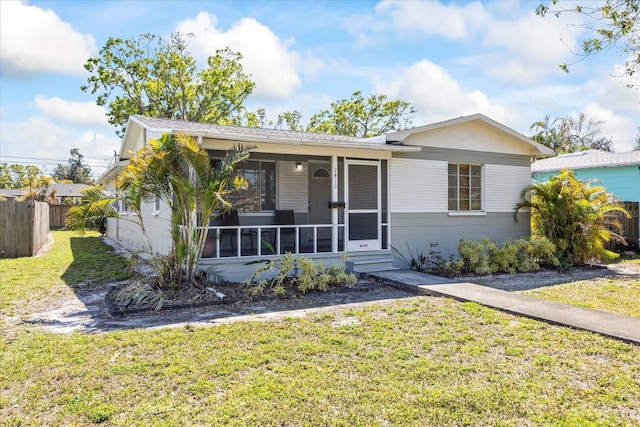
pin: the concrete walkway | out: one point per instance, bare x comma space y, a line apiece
612, 325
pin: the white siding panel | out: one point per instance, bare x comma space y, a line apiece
293, 186
503, 185
417, 185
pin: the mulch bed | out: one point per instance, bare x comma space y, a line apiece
189, 297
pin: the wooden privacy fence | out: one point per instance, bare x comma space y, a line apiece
24, 227
629, 229
58, 215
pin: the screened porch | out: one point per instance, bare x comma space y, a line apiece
319, 205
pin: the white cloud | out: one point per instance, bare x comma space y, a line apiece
530, 47
436, 95
609, 88
508, 40
40, 138
620, 129
269, 59
433, 18
35, 41
74, 112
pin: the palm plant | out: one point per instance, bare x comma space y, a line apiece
578, 217
179, 172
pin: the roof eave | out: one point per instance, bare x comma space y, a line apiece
110, 174
302, 142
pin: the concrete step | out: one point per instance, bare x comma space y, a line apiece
368, 265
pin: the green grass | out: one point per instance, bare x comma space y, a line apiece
72, 260
614, 295
418, 361
619, 295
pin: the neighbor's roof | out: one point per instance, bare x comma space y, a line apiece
402, 135
69, 190
62, 190
12, 193
589, 159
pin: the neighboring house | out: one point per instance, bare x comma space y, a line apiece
358, 197
68, 194
618, 173
11, 194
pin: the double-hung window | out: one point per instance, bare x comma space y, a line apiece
465, 187
261, 192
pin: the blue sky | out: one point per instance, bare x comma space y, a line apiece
448, 59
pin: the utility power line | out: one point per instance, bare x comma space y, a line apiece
48, 160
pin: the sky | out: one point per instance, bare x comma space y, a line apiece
449, 59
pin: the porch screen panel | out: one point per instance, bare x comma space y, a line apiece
268, 186
261, 191
363, 197
363, 187
363, 226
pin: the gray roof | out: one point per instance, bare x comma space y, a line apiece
62, 190
210, 129
589, 159
12, 193
70, 190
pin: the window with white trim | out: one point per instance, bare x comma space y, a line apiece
123, 207
261, 192
465, 187
156, 204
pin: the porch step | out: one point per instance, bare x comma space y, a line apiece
369, 265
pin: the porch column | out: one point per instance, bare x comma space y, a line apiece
334, 197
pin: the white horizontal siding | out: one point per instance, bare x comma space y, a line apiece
417, 185
503, 185
293, 187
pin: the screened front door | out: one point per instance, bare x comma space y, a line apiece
362, 194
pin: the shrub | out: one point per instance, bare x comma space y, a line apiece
299, 274
485, 257
578, 217
139, 293
432, 263
474, 257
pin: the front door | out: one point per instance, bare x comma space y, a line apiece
362, 196
319, 193
319, 197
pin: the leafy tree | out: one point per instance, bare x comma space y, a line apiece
75, 171
179, 172
160, 78
290, 120
13, 176
251, 119
576, 216
363, 117
37, 188
614, 23
569, 134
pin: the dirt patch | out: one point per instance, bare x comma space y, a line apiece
87, 311
224, 294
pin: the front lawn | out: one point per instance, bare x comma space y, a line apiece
26, 283
620, 295
416, 361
